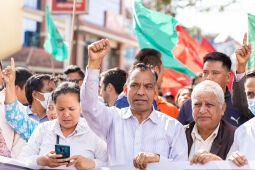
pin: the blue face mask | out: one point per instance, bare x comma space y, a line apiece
251, 105
46, 98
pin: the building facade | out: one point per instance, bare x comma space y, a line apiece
105, 19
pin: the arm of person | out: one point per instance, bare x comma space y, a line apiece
202, 157
238, 90
81, 162
20, 121
238, 158
179, 146
98, 116
142, 159
13, 113
30, 151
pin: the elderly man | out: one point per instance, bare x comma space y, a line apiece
209, 136
138, 133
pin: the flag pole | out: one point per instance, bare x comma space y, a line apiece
72, 32
52, 65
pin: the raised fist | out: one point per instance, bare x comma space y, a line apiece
97, 51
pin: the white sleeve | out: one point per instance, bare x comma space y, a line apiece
30, 151
238, 77
98, 116
179, 146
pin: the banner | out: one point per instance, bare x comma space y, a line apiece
8, 163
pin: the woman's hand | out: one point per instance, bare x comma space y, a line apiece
81, 162
50, 160
9, 75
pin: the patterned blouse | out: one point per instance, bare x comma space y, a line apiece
19, 120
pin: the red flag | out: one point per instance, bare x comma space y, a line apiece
188, 51
206, 45
172, 79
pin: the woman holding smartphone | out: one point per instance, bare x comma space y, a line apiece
86, 149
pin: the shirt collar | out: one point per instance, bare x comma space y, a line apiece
29, 111
81, 128
196, 135
153, 116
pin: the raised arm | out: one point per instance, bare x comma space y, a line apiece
98, 116
14, 113
238, 90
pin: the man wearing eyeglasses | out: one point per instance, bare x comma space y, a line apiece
74, 74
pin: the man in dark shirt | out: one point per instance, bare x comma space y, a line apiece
216, 68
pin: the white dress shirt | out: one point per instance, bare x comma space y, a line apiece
238, 77
82, 142
199, 144
244, 140
124, 135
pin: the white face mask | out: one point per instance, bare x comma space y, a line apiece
251, 105
46, 98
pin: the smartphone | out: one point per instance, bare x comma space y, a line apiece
64, 150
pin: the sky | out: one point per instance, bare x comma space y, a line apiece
233, 21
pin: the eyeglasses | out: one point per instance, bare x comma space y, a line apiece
76, 80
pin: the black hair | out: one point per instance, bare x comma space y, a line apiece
22, 75
143, 67
250, 75
179, 93
64, 88
193, 79
1, 67
217, 56
148, 56
59, 79
74, 69
116, 76
35, 83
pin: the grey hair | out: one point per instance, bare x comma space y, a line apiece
210, 87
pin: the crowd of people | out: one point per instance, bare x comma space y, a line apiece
118, 117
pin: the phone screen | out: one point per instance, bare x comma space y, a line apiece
64, 150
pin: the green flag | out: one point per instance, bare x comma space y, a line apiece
54, 43
251, 39
156, 30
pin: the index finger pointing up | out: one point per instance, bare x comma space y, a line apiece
245, 39
12, 63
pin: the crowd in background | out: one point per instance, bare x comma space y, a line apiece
118, 117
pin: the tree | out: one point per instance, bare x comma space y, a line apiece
170, 7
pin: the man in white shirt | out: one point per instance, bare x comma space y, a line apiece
138, 133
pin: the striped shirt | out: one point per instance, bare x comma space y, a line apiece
124, 136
